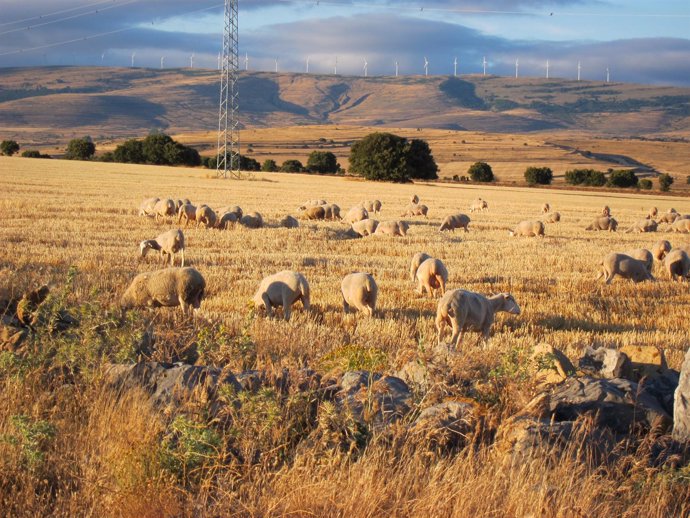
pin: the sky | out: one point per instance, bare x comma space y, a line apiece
638, 41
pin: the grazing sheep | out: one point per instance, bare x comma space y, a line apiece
603, 223
669, 217
660, 249
187, 212
393, 228
455, 221
332, 211
545, 208
625, 266
553, 217
168, 244
653, 212
681, 225
414, 199
227, 220
417, 260
311, 203
235, 209
415, 210
252, 220
528, 229
182, 287
364, 228
206, 216
643, 225
606, 211
371, 206
164, 208
464, 309
644, 255
479, 205
671, 211
677, 264
431, 275
148, 207
359, 291
289, 222
282, 289
356, 214
316, 212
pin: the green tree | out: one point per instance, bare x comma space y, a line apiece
322, 162
269, 166
129, 152
34, 153
155, 148
420, 160
80, 149
645, 184
292, 166
9, 147
381, 156
665, 182
538, 175
481, 172
585, 177
622, 178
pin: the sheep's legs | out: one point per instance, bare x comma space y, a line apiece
182, 253
267, 305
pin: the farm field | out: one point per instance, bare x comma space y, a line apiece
75, 224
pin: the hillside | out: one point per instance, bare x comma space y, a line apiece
50, 104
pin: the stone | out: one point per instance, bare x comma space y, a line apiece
250, 380
681, 407
446, 425
605, 363
415, 373
552, 366
645, 361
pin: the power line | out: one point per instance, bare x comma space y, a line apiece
54, 13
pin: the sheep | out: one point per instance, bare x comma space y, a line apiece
364, 228
643, 225
479, 205
431, 275
371, 206
545, 208
289, 222
311, 203
282, 289
625, 266
455, 221
187, 212
206, 216
359, 292
528, 229
417, 260
164, 208
553, 217
356, 214
644, 255
671, 211
677, 263
393, 228
415, 210
227, 220
660, 249
332, 211
168, 244
252, 220
681, 225
669, 217
653, 212
317, 212
606, 211
182, 287
603, 223
464, 309
148, 206
235, 209
414, 199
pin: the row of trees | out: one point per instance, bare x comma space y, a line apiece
620, 178
155, 149
11, 147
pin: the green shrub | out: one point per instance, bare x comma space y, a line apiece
80, 149
622, 178
539, 175
481, 172
292, 166
9, 147
269, 166
588, 177
665, 182
34, 153
322, 162
645, 184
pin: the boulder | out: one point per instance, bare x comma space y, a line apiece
681, 407
605, 363
446, 425
551, 365
645, 361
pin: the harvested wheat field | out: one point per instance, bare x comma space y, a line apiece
74, 444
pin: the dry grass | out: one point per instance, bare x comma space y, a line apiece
103, 458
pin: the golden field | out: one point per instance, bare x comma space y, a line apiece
101, 460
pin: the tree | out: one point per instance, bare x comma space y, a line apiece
585, 177
538, 175
130, 152
292, 166
34, 153
269, 166
665, 182
80, 149
9, 147
645, 184
322, 162
481, 172
381, 156
154, 148
622, 178
420, 160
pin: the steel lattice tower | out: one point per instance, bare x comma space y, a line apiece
228, 113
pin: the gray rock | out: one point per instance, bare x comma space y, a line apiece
446, 425
250, 380
681, 407
605, 363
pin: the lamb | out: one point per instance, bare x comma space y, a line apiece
282, 289
677, 264
528, 229
606, 211
431, 275
414, 199
206, 216
371, 206
653, 212
289, 222
187, 212
235, 209
464, 309
359, 292
660, 249
311, 203
393, 228
455, 221
669, 217
171, 287
364, 228
332, 211
644, 255
148, 207
545, 208
681, 225
553, 217
643, 225
415, 210
252, 220
356, 214
603, 223
168, 244
317, 212
625, 266
479, 205
227, 220
164, 208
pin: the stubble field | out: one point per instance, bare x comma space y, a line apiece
59, 215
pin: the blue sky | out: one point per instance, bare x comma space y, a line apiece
647, 42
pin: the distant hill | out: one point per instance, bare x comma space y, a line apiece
116, 102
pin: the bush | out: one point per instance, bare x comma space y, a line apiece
130, 152
585, 177
292, 166
269, 166
80, 149
9, 147
156, 149
421, 161
34, 153
539, 175
322, 162
687, 179
622, 178
665, 182
481, 172
645, 184
246, 163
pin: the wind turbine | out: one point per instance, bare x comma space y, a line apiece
308, 57
162, 61
246, 61
102, 58
191, 60
579, 68
517, 68
547, 69
133, 55
396, 69
484, 63
335, 68
219, 61
276, 65
455, 67
366, 69
608, 76
426, 66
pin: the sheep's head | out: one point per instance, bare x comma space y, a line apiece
508, 304
146, 245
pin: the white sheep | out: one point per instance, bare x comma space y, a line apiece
677, 264
311, 203
227, 220
606, 211
528, 229
681, 225
252, 220
415, 210
643, 225
653, 212
315, 212
332, 211
392, 228
545, 208
414, 199
431, 275
289, 222
171, 287
644, 255
660, 249
364, 228
464, 309
235, 209
603, 223
356, 214
206, 216
282, 290
168, 244
148, 207
187, 212
371, 206
479, 205
455, 221
359, 291
552, 217
164, 208
625, 266
669, 217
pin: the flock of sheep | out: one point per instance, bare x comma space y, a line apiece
456, 308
